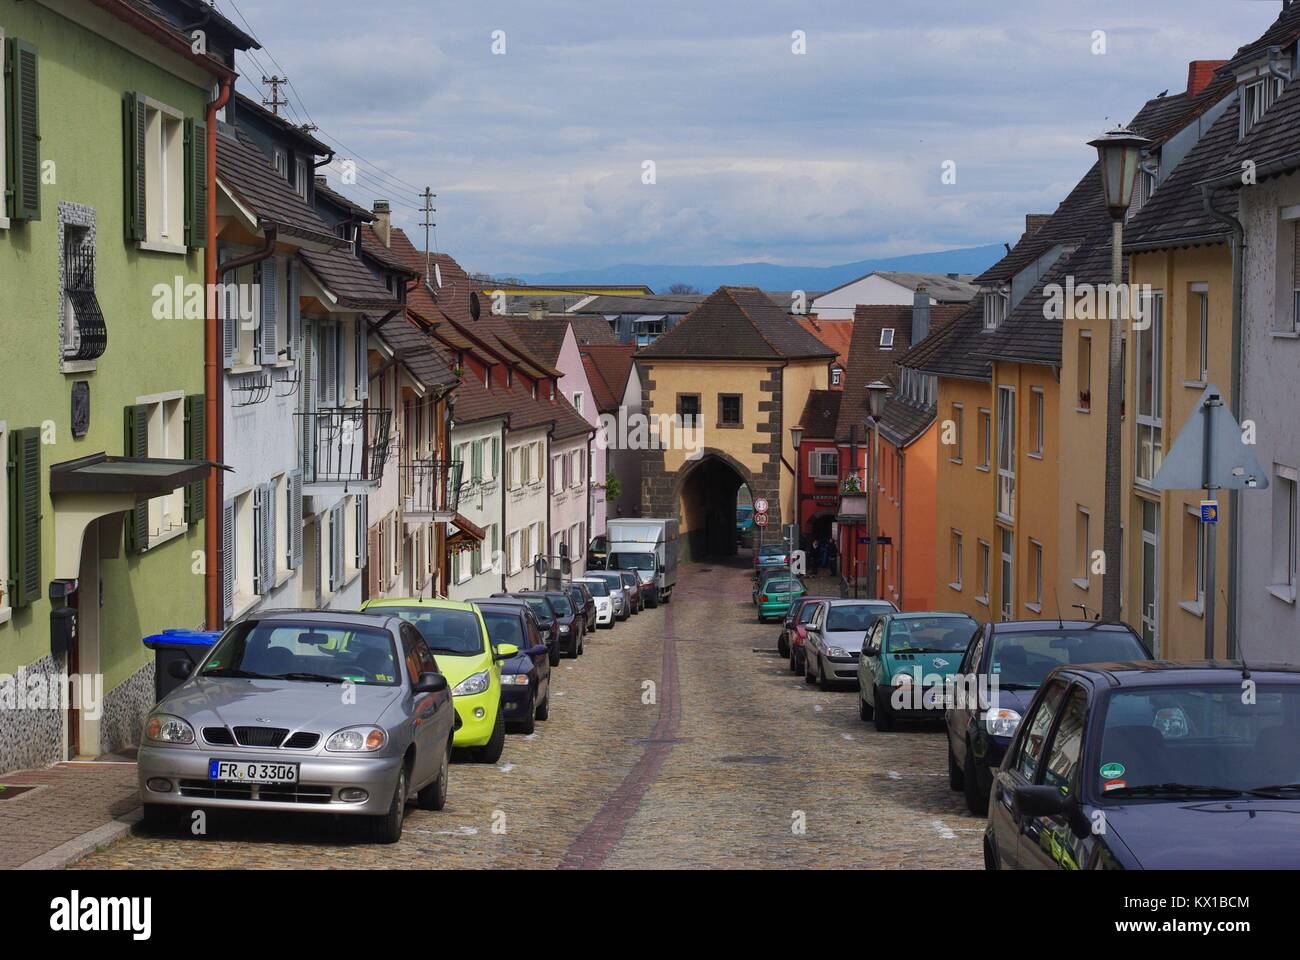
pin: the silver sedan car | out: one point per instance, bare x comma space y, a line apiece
835, 636
304, 711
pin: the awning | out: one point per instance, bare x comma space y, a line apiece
467, 536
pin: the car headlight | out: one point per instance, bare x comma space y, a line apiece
357, 740
164, 728
474, 683
564, 628
1001, 722
514, 679
835, 652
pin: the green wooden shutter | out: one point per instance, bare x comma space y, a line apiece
196, 183
133, 139
136, 437
196, 437
24, 135
24, 516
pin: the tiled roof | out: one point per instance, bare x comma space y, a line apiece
475, 402
1281, 32
904, 420
349, 280
592, 331
1272, 142
951, 352
608, 367
942, 287
353, 209
543, 338
836, 334
246, 172
416, 352
373, 247
737, 323
821, 413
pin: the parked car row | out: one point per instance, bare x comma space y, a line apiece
1083, 751
358, 713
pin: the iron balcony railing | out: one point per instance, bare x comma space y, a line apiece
345, 444
89, 337
430, 486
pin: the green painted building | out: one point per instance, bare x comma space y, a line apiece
103, 220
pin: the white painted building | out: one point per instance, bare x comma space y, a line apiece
882, 288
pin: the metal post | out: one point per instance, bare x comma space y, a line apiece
1112, 544
1211, 489
872, 454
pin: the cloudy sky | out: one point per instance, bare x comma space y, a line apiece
837, 154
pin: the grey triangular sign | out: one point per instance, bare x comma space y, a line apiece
1233, 467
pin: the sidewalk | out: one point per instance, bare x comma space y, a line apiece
73, 808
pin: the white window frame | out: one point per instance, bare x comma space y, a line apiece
1006, 451
959, 428
243, 543
1195, 604
164, 173
983, 559
1201, 293
1082, 547
887, 338
996, 306
1007, 573
1038, 410
280, 162
817, 464
557, 473
1036, 565
577, 470
166, 425
300, 178
283, 535
986, 440
955, 558
1286, 532
836, 376
1150, 423
577, 400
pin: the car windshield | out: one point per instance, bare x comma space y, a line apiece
1166, 741
560, 603
540, 607
632, 561
445, 631
930, 635
304, 651
598, 588
504, 627
855, 616
1022, 658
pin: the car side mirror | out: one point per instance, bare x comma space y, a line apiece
536, 651
430, 683
504, 651
180, 669
1039, 800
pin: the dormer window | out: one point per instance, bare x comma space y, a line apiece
280, 162
1256, 97
996, 304
887, 338
836, 376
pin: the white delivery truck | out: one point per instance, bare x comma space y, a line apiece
650, 548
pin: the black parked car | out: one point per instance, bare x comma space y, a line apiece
525, 677
1017, 655
1153, 765
585, 602
598, 553
569, 627
545, 619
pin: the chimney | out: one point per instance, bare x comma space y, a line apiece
537, 310
1200, 73
383, 224
1034, 222
322, 181
920, 313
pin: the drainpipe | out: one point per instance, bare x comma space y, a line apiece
501, 540
213, 447
901, 567
1238, 245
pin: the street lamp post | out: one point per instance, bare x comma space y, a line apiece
796, 437
877, 391
1120, 153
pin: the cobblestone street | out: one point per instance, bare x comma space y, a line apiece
711, 774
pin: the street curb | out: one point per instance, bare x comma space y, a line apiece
66, 854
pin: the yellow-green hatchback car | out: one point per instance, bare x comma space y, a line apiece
456, 634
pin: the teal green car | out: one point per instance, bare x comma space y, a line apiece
776, 596
905, 664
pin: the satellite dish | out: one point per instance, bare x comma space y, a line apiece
473, 305
437, 274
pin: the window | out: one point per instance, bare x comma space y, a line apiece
1035, 602
996, 304
85, 333
955, 559
837, 373
1006, 451
1284, 532
1062, 768
824, 465
1082, 531
1150, 390
164, 171
160, 423
1198, 334
284, 516
577, 400
514, 547
300, 178
959, 432
1036, 421
1193, 561
576, 477
557, 473
986, 439
241, 555
688, 408
887, 338
1039, 723
1007, 571
729, 410
1256, 97
280, 162
578, 539
982, 573
1084, 367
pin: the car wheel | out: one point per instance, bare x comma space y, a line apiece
530, 725
782, 647
794, 665
652, 602
865, 710
491, 751
823, 681
668, 597
582, 646
434, 796
990, 858
387, 828
808, 676
976, 802
544, 708
956, 779
158, 817
553, 654
884, 714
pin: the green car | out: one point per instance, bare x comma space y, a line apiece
904, 664
778, 593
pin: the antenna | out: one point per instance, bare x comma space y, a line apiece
275, 103
1241, 654
1059, 619
428, 210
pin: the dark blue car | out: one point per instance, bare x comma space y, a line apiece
1001, 671
1154, 765
525, 677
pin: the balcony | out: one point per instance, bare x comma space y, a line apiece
344, 446
430, 489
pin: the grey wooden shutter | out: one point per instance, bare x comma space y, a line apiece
295, 311
333, 547
268, 314
295, 519
259, 540
329, 354
228, 558
22, 73
196, 183
25, 516
362, 363
316, 559
135, 120
363, 512
136, 444
229, 332
196, 433
266, 555
308, 420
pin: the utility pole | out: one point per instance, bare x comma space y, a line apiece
276, 102
428, 210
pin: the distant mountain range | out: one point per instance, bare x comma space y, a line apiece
771, 276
